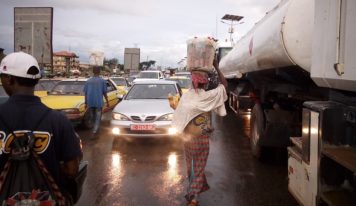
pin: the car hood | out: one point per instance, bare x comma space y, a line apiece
62, 102
147, 107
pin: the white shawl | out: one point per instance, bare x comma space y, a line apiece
193, 103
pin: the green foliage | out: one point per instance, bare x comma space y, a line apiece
111, 62
147, 64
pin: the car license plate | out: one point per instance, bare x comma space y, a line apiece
143, 127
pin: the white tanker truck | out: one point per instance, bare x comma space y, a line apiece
295, 71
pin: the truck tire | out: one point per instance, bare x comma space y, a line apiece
87, 122
257, 125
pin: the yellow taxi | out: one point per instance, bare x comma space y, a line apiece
122, 85
67, 96
184, 82
44, 86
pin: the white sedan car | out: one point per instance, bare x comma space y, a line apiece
145, 110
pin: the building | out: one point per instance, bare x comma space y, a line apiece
65, 62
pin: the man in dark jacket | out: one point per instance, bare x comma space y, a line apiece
56, 143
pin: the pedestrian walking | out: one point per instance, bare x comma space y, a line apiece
28, 127
192, 119
95, 89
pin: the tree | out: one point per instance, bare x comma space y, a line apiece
110, 64
147, 64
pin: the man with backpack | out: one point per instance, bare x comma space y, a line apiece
50, 140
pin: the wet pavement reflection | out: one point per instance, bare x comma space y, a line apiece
129, 171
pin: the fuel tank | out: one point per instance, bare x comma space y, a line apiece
282, 38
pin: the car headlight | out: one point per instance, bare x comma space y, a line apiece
172, 131
166, 117
70, 111
118, 116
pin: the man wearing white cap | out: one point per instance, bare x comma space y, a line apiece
55, 141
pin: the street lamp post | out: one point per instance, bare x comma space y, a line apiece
231, 18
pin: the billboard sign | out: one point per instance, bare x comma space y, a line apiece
33, 32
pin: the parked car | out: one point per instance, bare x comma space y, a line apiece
149, 75
68, 97
44, 86
122, 85
184, 82
145, 110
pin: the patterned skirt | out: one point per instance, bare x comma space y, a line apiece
196, 154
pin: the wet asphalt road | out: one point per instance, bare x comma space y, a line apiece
152, 171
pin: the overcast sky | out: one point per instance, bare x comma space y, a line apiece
160, 28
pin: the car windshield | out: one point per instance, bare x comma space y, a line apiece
151, 91
119, 81
46, 85
2, 91
148, 75
185, 74
184, 83
69, 87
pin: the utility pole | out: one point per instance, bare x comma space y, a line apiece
232, 19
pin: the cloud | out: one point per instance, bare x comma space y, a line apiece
160, 28
122, 7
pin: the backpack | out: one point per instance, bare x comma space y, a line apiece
25, 178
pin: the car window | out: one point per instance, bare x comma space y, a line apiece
151, 91
189, 75
119, 81
39, 87
110, 86
68, 87
149, 75
45, 85
183, 83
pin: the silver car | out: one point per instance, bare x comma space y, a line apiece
145, 110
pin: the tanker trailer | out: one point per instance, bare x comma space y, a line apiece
268, 73
289, 57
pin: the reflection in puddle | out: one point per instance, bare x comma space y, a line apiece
172, 160
170, 181
116, 160
116, 168
172, 165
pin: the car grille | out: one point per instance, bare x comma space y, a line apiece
136, 118
150, 118
147, 119
156, 131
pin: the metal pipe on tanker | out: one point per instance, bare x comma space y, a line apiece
282, 38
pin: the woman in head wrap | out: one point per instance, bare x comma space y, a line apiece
192, 118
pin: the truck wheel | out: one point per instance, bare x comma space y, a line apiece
87, 121
256, 130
